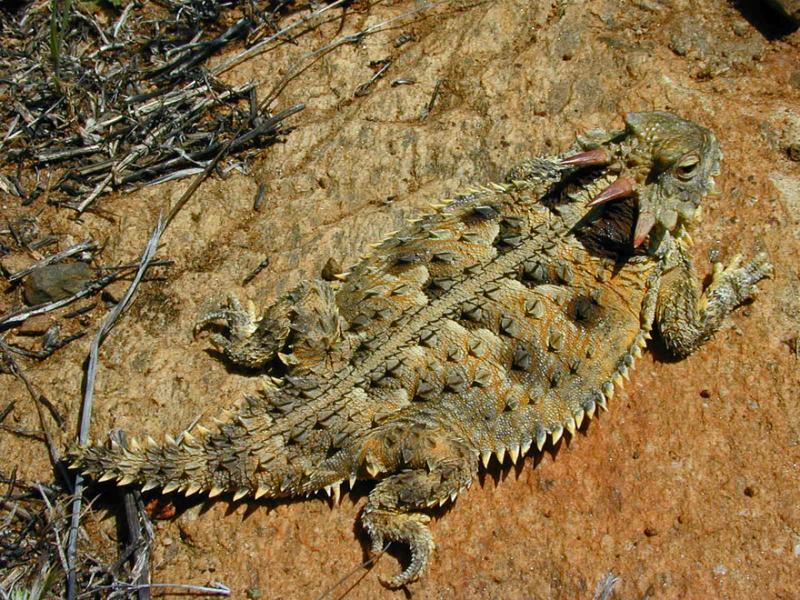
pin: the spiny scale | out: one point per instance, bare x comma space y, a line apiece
501, 320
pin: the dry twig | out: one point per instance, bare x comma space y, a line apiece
86, 411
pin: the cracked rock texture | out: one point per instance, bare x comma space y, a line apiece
689, 487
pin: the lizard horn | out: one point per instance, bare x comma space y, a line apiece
644, 224
589, 158
621, 188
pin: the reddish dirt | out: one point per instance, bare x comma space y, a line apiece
687, 488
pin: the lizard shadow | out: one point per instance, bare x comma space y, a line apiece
174, 506
497, 473
659, 351
233, 368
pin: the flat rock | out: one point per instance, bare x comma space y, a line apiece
55, 282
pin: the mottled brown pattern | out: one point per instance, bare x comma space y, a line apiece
504, 318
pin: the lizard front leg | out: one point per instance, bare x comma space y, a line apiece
686, 316
300, 329
249, 341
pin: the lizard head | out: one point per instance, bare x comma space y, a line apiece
666, 162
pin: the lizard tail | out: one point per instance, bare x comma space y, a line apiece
191, 465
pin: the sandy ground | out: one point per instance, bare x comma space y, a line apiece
687, 488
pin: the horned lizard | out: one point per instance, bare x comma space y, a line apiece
501, 320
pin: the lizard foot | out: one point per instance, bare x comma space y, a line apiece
408, 528
737, 283
250, 342
395, 511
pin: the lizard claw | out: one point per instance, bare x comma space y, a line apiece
741, 280
751, 273
409, 528
239, 321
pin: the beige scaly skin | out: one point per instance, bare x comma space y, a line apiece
503, 319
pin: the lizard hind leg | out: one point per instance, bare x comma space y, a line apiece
395, 510
384, 525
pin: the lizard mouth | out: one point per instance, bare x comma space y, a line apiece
652, 210
622, 187
625, 187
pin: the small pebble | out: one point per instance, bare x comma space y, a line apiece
114, 291
15, 262
33, 326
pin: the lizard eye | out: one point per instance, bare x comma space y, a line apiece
687, 168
